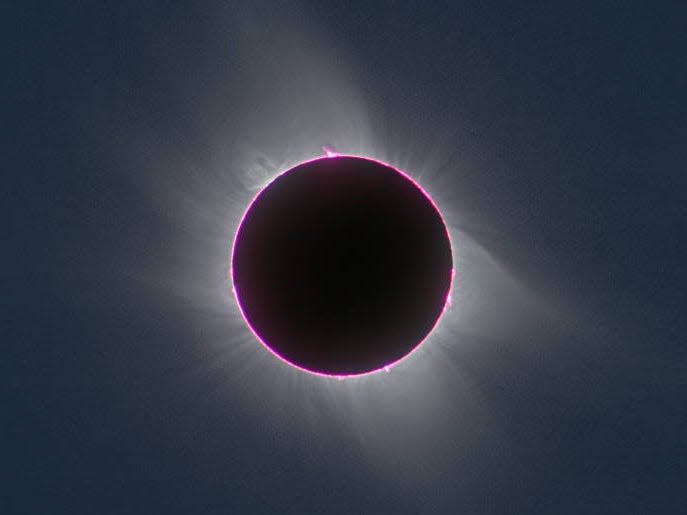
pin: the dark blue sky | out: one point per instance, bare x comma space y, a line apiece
555, 133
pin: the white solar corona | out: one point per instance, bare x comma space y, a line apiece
299, 99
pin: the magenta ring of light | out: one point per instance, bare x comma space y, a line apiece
387, 367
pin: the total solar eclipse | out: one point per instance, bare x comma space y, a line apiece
341, 266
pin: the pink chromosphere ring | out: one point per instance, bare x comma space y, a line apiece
342, 266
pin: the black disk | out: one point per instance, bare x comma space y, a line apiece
342, 265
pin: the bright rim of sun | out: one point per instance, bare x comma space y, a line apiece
330, 153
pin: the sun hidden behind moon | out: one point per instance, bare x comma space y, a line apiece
341, 266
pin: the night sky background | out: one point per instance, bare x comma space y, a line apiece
554, 137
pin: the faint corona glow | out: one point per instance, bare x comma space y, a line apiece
329, 153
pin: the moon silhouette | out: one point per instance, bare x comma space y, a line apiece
342, 266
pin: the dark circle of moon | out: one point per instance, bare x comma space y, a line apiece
341, 266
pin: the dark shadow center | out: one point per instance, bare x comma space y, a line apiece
342, 265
